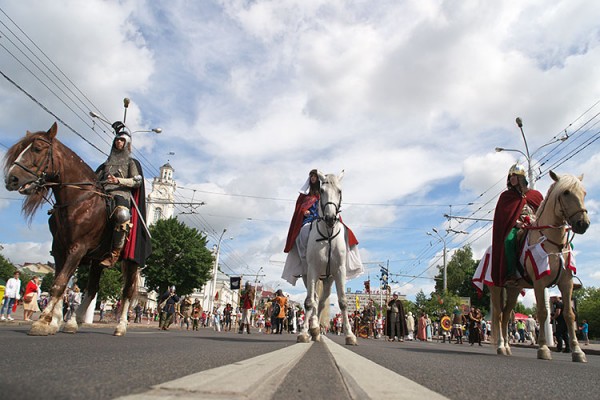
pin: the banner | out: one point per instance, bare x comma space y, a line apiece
235, 282
368, 286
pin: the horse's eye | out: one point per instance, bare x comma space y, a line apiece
37, 149
567, 192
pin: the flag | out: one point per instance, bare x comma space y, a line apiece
216, 296
235, 282
368, 286
357, 303
384, 278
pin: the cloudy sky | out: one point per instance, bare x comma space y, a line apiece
410, 98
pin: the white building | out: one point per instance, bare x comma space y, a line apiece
160, 203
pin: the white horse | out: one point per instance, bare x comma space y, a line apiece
326, 255
562, 210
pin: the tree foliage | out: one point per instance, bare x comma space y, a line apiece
179, 257
7, 269
47, 281
460, 271
588, 308
111, 282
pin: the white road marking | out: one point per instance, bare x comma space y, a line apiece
255, 378
368, 380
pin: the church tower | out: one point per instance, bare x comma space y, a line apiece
160, 201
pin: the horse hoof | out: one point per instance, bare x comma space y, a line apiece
508, 351
302, 338
544, 354
351, 340
578, 357
40, 329
70, 328
314, 332
119, 332
500, 351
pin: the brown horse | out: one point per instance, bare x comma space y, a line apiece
562, 210
40, 163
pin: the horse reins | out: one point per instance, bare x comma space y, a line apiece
330, 236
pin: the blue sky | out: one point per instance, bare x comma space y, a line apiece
410, 98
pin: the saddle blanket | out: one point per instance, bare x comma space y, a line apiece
536, 253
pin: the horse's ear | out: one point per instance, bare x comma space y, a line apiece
322, 176
53, 130
580, 177
341, 176
553, 176
28, 133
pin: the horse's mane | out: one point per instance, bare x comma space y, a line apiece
565, 182
34, 201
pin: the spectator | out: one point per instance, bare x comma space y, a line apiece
138, 313
521, 330
102, 308
30, 299
196, 314
562, 335
74, 302
531, 328
12, 292
167, 303
395, 320
410, 325
281, 301
247, 303
584, 328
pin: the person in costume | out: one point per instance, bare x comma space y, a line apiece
122, 178
247, 302
474, 326
515, 209
395, 320
305, 212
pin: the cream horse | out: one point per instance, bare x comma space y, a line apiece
326, 255
562, 210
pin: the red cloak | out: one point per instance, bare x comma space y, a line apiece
304, 202
508, 210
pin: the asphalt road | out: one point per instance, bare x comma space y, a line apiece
93, 364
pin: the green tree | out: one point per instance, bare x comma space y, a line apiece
460, 271
179, 257
47, 281
111, 282
588, 308
7, 269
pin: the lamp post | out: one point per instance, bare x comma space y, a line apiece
213, 288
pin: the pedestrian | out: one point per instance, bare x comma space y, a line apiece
217, 319
515, 209
584, 328
102, 308
74, 302
247, 303
396, 321
260, 321
474, 320
30, 298
530, 327
167, 303
457, 325
422, 328
279, 306
562, 334
12, 293
186, 312
196, 314
138, 313
379, 326
410, 325
428, 328
227, 317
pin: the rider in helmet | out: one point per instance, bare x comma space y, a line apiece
515, 209
120, 175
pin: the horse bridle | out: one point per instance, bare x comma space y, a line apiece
330, 235
40, 178
337, 206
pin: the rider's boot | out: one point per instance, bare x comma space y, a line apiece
119, 236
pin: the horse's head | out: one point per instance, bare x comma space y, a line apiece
29, 163
331, 197
569, 194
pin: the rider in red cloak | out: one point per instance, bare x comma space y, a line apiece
515, 208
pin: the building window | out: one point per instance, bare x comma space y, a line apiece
158, 213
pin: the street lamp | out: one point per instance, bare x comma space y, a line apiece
215, 269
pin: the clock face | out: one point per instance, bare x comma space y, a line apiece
162, 191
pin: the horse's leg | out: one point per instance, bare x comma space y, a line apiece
497, 303
340, 280
565, 285
91, 290
543, 352
130, 275
303, 336
512, 294
324, 289
48, 322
